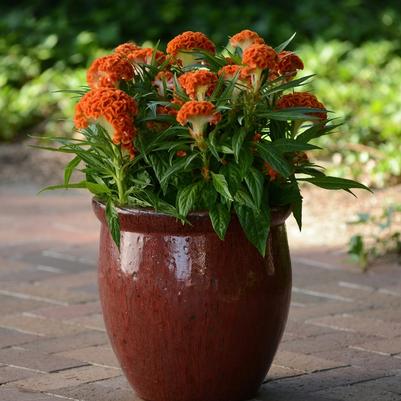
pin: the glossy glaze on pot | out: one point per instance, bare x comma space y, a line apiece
191, 317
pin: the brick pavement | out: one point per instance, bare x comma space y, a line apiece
343, 339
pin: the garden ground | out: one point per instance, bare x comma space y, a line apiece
343, 338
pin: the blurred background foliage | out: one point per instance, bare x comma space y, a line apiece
353, 46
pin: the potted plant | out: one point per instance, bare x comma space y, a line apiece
195, 159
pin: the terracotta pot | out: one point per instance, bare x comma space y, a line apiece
191, 317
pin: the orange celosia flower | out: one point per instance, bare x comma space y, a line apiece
260, 56
302, 99
257, 58
245, 38
108, 71
114, 110
144, 56
125, 48
199, 115
179, 46
269, 171
289, 63
163, 80
198, 84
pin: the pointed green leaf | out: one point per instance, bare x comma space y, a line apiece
113, 222
237, 141
284, 145
270, 155
187, 198
254, 181
243, 198
283, 45
96, 189
69, 169
221, 186
245, 161
256, 226
220, 217
328, 182
316, 131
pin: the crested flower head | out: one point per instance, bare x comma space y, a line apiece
108, 71
245, 38
302, 99
257, 58
199, 115
125, 48
187, 42
260, 56
198, 84
114, 110
289, 63
164, 80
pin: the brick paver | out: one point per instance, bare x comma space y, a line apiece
342, 342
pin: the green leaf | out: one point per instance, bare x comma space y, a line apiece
96, 189
208, 196
221, 186
113, 222
283, 45
181, 164
284, 145
69, 168
165, 207
328, 182
245, 161
232, 173
296, 204
211, 143
244, 199
270, 155
237, 141
220, 217
256, 226
316, 131
254, 181
292, 113
187, 198
287, 85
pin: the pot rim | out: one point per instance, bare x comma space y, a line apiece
135, 219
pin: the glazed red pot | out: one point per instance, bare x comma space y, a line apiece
191, 317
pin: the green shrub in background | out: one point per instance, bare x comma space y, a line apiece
364, 83
45, 46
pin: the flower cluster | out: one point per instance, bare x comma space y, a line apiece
198, 83
226, 133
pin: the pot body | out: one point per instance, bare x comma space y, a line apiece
191, 317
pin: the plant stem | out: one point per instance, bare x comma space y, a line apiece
119, 176
120, 186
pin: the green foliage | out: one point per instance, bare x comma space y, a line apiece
225, 167
364, 85
381, 236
